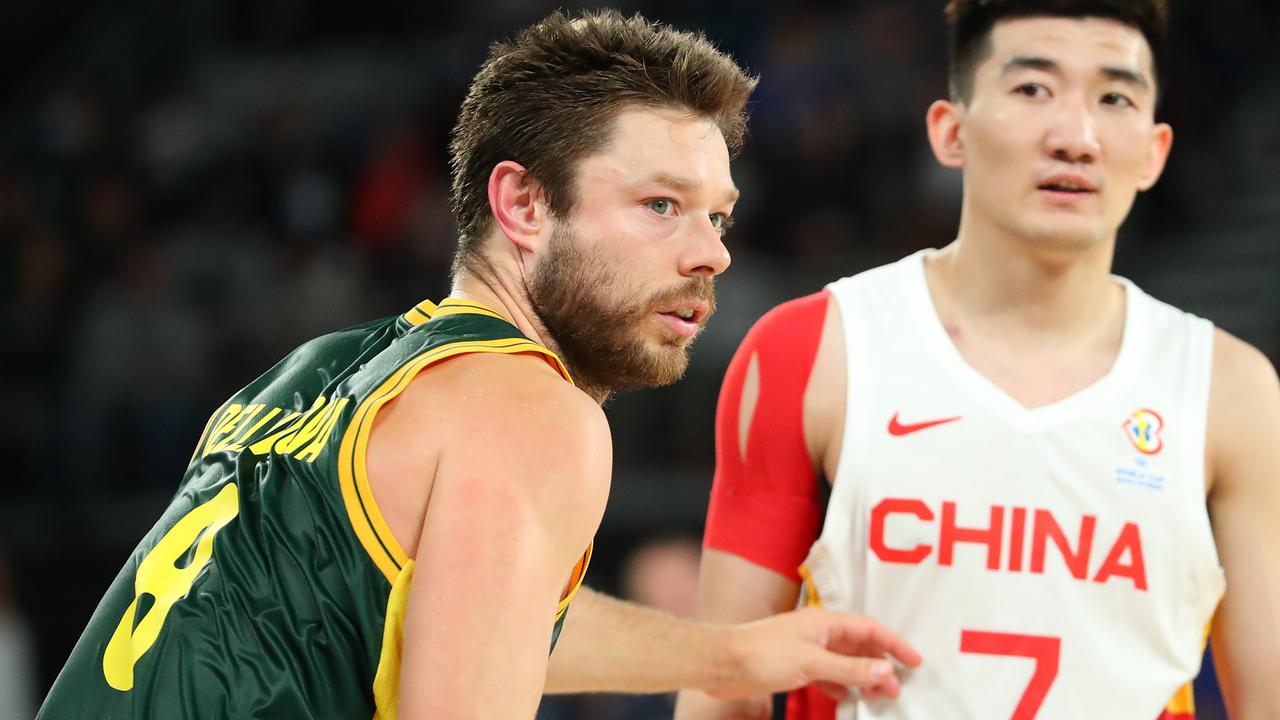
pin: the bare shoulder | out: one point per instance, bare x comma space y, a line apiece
1243, 377
825, 396
510, 419
515, 407
1244, 407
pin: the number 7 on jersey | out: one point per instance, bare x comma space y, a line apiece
1043, 649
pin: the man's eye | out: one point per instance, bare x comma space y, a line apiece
1031, 90
661, 206
1116, 99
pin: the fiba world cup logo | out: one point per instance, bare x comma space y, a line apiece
1143, 430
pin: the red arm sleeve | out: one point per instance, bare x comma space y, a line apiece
766, 507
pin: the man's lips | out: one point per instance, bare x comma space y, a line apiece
681, 327
1066, 189
1073, 183
694, 311
686, 317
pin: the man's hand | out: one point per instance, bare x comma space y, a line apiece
812, 646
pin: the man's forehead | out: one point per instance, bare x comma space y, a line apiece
676, 148
1090, 40
639, 131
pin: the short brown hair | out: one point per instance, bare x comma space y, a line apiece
971, 21
546, 100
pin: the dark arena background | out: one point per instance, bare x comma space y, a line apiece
190, 189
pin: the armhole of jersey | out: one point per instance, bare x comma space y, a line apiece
362, 510
1199, 387
1182, 706
858, 402
575, 581
386, 680
1199, 370
830, 580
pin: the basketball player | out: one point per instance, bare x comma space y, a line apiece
392, 521
1039, 475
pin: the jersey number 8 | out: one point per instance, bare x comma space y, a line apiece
159, 576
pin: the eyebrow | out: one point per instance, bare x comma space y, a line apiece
686, 185
1111, 72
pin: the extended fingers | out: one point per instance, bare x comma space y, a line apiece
859, 672
855, 634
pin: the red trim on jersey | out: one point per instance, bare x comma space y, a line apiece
1167, 715
808, 703
767, 509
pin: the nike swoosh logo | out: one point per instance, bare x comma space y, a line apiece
898, 429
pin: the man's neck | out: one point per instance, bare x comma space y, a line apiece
502, 286
1005, 281
505, 294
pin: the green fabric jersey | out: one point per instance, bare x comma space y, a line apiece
271, 587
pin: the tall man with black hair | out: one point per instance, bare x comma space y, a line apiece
1040, 476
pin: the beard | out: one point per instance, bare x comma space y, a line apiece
596, 319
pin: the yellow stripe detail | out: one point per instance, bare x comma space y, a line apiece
386, 682
353, 478
426, 310
454, 306
1183, 702
420, 313
575, 582
811, 598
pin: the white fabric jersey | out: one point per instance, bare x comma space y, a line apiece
1054, 562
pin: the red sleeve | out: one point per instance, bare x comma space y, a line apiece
766, 508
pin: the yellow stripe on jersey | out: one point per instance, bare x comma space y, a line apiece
386, 683
362, 510
367, 520
353, 477
810, 593
420, 313
1183, 703
453, 306
426, 310
575, 581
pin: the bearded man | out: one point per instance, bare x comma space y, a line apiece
392, 521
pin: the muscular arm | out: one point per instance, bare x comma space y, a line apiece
511, 508
1244, 504
731, 589
608, 644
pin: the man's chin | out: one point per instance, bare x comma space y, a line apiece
642, 358
1066, 234
666, 364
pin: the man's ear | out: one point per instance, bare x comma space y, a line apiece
517, 203
943, 123
1158, 155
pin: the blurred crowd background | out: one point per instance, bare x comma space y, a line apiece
190, 189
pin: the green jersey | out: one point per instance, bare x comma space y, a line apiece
272, 587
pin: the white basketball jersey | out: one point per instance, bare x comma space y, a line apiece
1054, 562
